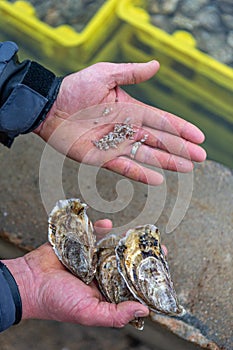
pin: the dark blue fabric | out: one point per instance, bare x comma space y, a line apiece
27, 92
7, 306
7, 50
14, 291
24, 103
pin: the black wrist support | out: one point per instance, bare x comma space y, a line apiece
27, 92
14, 291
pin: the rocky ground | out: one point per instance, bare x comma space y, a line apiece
210, 22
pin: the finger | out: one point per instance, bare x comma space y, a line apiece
131, 73
151, 156
103, 227
134, 171
172, 144
118, 316
162, 120
164, 249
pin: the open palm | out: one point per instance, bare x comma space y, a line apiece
90, 103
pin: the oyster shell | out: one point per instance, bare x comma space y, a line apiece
110, 281
142, 264
130, 268
71, 234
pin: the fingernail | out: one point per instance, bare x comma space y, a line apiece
141, 313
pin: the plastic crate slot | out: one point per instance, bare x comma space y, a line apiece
182, 69
163, 87
223, 92
211, 115
143, 47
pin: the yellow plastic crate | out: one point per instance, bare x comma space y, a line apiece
170, 94
209, 80
61, 47
189, 83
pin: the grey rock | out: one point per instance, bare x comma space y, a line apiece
223, 54
153, 7
215, 45
169, 6
181, 22
190, 8
226, 6
230, 39
209, 42
229, 2
209, 18
161, 21
228, 21
162, 7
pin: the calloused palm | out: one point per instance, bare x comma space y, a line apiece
78, 117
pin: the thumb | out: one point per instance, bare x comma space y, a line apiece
119, 315
132, 73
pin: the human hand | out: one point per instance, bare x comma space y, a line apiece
49, 291
72, 124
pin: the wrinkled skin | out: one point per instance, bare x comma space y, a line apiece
172, 142
49, 291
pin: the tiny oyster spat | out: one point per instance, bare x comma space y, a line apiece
71, 235
110, 281
142, 264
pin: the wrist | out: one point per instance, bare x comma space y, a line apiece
54, 117
24, 280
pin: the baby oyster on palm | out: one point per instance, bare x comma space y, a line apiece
143, 265
71, 234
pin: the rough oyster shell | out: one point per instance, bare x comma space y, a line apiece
71, 234
142, 264
110, 281
130, 268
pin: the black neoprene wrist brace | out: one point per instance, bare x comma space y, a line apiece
14, 291
27, 92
